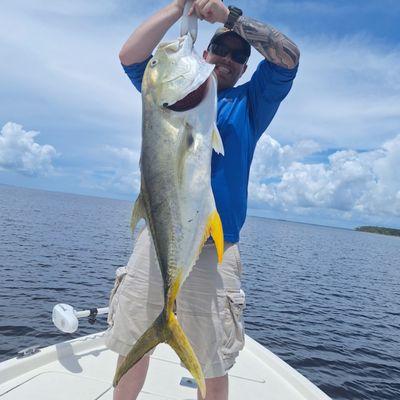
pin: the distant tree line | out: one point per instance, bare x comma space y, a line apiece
379, 229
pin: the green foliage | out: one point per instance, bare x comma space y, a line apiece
378, 229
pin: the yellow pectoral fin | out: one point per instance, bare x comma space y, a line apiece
214, 228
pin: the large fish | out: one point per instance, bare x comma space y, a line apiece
179, 93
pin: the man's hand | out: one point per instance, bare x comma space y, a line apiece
210, 10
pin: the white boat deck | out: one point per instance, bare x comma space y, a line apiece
83, 369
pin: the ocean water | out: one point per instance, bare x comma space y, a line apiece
325, 300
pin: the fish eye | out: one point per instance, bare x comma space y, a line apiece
153, 62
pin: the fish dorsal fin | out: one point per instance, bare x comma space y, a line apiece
217, 141
138, 212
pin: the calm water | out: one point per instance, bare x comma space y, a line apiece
325, 300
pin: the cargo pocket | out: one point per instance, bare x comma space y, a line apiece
233, 304
120, 274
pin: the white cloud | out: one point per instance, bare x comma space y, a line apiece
62, 63
20, 153
119, 174
345, 92
276, 158
351, 183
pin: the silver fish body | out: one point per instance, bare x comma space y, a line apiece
178, 135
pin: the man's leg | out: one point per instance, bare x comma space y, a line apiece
131, 383
209, 308
216, 388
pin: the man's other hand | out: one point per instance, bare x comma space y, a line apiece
210, 10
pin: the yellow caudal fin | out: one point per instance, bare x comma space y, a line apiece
214, 228
164, 329
180, 343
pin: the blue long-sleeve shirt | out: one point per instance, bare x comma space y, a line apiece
244, 113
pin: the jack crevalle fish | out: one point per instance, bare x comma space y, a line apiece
179, 93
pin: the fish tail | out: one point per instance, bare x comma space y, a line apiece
164, 329
150, 339
176, 338
180, 343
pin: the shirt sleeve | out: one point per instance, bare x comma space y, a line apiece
268, 86
135, 72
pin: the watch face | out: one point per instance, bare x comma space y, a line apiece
235, 10
234, 14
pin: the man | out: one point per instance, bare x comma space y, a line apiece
210, 304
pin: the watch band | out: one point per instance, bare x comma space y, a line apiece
234, 14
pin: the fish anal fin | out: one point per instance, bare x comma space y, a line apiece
138, 212
173, 292
217, 141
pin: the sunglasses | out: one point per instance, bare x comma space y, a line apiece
222, 50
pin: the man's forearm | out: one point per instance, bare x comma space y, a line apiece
272, 44
148, 35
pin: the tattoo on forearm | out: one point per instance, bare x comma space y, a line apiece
271, 43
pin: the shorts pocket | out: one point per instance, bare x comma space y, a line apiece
233, 304
120, 274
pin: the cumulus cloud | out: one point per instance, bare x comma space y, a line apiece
351, 182
20, 153
120, 173
276, 158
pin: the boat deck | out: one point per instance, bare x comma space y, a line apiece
83, 369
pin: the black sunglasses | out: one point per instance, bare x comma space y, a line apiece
222, 50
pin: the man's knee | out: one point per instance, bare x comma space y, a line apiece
217, 388
219, 381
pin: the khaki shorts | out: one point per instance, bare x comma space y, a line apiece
209, 305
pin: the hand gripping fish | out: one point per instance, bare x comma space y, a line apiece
179, 94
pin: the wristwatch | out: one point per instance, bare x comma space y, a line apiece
234, 14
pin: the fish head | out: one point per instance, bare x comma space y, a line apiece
174, 72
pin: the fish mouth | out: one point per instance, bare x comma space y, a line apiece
192, 100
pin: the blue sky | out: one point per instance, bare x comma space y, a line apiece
70, 120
